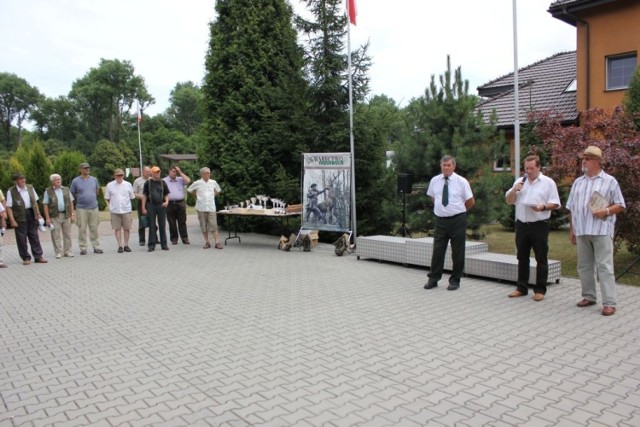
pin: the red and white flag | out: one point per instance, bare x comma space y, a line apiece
139, 113
351, 11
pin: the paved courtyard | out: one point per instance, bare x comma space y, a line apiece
250, 335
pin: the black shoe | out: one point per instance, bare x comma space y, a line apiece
453, 287
98, 251
127, 249
165, 248
431, 285
120, 249
174, 242
151, 249
142, 243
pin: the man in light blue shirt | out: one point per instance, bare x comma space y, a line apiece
85, 190
177, 208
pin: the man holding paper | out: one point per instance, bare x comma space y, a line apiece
594, 201
535, 196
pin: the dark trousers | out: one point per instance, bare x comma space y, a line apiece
28, 231
141, 231
177, 219
532, 235
452, 229
157, 216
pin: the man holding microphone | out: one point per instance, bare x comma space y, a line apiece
535, 196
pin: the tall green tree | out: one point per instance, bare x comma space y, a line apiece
325, 37
30, 159
67, 165
443, 121
106, 96
186, 107
18, 99
108, 156
375, 123
254, 97
57, 118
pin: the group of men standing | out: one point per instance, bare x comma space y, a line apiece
535, 196
159, 201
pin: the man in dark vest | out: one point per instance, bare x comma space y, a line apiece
154, 205
59, 212
24, 215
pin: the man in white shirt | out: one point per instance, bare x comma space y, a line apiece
24, 216
119, 194
452, 198
206, 189
534, 196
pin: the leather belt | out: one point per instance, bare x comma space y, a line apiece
452, 216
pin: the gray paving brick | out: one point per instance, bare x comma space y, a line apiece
302, 349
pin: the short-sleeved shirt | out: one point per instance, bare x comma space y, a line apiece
205, 194
1, 196
176, 188
85, 191
584, 223
138, 185
541, 191
155, 191
119, 196
26, 199
459, 193
59, 196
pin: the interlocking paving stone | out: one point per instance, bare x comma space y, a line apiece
255, 336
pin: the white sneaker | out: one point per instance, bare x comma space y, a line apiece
58, 256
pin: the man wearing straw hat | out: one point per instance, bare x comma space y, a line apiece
594, 201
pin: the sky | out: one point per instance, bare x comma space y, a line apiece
52, 43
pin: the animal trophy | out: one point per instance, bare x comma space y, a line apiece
343, 246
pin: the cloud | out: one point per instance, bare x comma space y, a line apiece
54, 43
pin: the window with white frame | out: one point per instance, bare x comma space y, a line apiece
502, 164
620, 69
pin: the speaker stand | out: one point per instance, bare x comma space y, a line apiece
404, 230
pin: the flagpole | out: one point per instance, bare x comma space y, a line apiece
352, 145
139, 119
516, 97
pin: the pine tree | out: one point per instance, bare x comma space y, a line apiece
442, 122
254, 99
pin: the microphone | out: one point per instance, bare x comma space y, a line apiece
524, 177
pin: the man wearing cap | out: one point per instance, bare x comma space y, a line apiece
119, 194
535, 196
138, 186
154, 205
177, 208
206, 190
24, 215
594, 201
85, 190
59, 212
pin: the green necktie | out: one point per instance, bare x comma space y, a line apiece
445, 192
